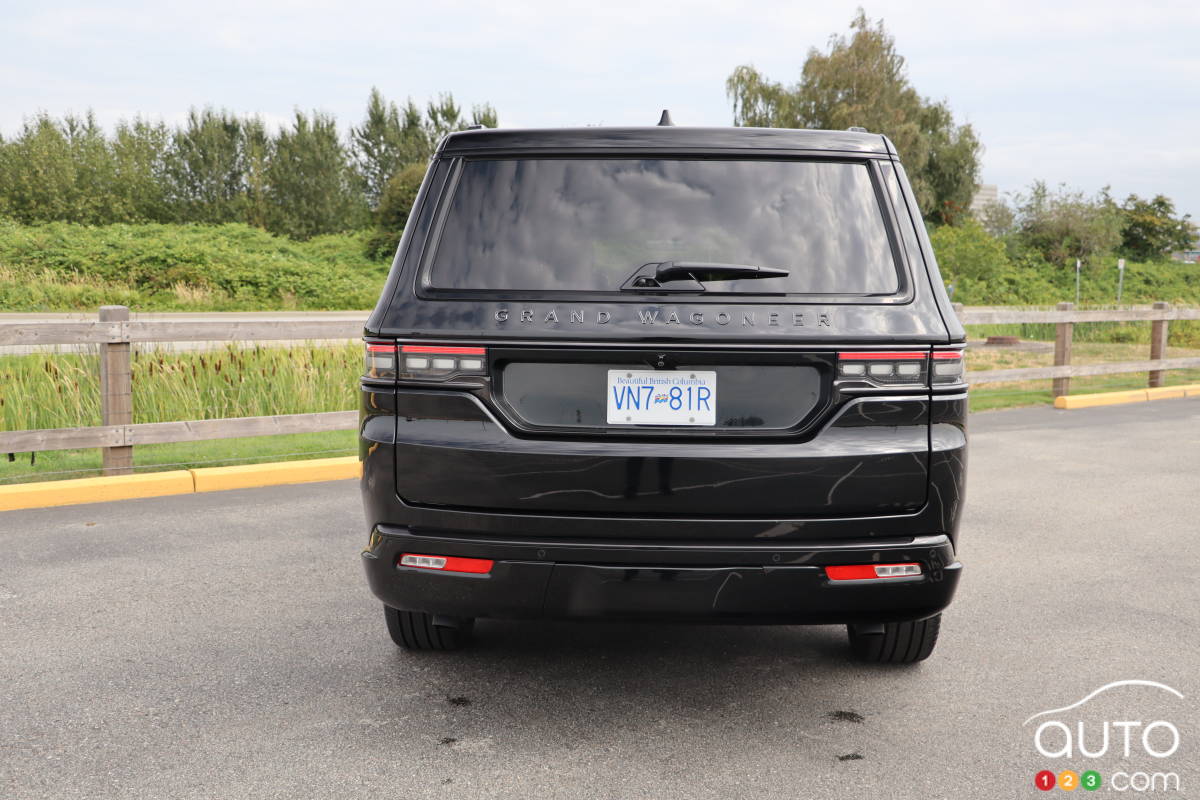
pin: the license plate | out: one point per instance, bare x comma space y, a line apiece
659, 397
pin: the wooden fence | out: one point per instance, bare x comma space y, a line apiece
114, 331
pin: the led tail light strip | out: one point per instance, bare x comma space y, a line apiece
892, 368
438, 362
419, 362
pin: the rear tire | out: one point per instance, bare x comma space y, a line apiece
414, 630
896, 643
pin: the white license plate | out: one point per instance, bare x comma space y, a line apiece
659, 397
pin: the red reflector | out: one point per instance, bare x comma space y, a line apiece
477, 566
450, 351
381, 348
870, 572
878, 356
947, 354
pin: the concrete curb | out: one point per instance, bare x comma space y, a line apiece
184, 481
1132, 396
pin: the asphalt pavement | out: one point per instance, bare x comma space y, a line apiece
225, 645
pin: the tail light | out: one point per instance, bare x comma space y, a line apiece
380, 358
390, 360
900, 368
947, 366
893, 368
441, 362
871, 572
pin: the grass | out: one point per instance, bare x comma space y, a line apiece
49, 390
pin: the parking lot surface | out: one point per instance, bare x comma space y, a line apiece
225, 645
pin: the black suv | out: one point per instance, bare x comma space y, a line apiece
665, 373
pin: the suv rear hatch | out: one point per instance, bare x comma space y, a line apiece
712, 392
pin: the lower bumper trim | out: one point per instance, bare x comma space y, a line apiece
785, 584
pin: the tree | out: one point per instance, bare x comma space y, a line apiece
378, 145
997, 219
139, 151
258, 147
205, 170
1064, 225
861, 81
391, 139
56, 170
1151, 230
221, 167
444, 116
311, 186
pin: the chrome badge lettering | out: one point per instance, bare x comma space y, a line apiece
672, 316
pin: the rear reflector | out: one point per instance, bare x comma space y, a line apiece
870, 572
477, 566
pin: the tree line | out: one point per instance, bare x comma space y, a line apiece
300, 181
307, 179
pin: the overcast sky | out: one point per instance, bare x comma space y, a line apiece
1083, 93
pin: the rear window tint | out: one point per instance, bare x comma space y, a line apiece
573, 224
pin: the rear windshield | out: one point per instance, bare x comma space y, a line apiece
572, 224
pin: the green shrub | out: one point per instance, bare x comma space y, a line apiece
59, 266
981, 272
392, 215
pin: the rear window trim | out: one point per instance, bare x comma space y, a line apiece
905, 294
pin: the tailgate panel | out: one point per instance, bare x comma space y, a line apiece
872, 459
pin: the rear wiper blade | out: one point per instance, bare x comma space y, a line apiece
654, 275
705, 271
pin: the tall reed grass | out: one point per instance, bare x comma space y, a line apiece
57, 390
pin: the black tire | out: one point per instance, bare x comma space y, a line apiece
896, 643
414, 630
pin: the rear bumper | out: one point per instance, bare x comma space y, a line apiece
626, 580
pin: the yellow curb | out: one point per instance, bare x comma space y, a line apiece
1100, 399
94, 490
185, 481
247, 476
1166, 393
1132, 396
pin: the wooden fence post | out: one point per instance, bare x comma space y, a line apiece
1062, 350
116, 392
1158, 345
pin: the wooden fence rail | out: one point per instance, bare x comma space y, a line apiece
114, 331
